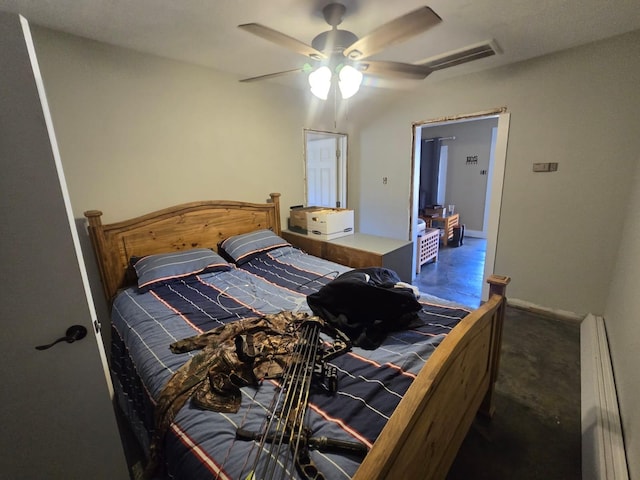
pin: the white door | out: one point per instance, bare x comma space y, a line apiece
322, 164
56, 412
326, 169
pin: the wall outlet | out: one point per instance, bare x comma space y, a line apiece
545, 167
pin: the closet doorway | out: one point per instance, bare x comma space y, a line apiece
465, 170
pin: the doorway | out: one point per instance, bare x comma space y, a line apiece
325, 169
482, 208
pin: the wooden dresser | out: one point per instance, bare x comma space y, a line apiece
359, 250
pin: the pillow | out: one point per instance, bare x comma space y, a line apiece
154, 269
242, 248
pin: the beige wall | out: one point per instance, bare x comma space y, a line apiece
622, 318
558, 231
139, 132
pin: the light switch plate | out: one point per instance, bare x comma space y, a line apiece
545, 167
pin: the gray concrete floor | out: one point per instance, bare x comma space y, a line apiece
535, 432
458, 274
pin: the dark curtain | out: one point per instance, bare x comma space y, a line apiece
429, 170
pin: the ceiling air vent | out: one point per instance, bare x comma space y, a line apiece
464, 55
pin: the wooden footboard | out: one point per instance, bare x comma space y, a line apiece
425, 432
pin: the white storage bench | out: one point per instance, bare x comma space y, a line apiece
428, 244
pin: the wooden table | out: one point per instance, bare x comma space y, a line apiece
448, 222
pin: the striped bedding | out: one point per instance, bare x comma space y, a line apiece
202, 444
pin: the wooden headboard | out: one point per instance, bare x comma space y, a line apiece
190, 225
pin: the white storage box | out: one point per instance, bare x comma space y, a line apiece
330, 223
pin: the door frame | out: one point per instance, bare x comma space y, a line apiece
494, 185
341, 169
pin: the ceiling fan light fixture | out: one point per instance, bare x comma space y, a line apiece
337, 45
350, 80
320, 82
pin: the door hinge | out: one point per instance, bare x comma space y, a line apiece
338, 154
97, 326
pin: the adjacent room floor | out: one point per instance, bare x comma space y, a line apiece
535, 432
458, 274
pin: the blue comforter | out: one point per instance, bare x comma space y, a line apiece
202, 444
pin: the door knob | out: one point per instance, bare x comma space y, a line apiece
74, 332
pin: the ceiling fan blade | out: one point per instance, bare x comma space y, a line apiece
283, 40
273, 75
395, 31
395, 69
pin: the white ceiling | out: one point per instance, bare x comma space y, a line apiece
205, 32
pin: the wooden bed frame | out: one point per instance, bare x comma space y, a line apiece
422, 437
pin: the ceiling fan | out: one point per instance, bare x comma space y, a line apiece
342, 52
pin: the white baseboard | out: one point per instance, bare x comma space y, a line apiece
474, 233
603, 452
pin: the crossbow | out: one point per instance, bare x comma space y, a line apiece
285, 425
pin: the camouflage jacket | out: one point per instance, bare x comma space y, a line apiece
233, 355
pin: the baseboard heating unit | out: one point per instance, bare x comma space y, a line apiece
603, 453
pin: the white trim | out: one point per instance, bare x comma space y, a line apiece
496, 183
474, 233
603, 452
487, 198
415, 189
